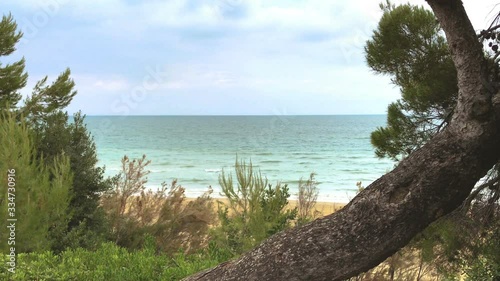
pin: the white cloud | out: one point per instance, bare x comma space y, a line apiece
175, 85
111, 85
240, 51
93, 83
199, 76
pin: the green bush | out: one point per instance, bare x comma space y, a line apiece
37, 193
109, 262
255, 210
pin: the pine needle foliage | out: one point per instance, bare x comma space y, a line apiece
38, 194
252, 211
409, 46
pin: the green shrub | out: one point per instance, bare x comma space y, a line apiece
109, 262
37, 192
255, 210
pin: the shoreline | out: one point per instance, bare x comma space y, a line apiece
321, 208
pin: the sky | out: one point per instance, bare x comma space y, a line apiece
210, 57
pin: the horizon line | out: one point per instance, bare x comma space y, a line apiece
228, 115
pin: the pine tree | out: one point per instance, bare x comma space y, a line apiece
39, 194
12, 76
55, 136
408, 46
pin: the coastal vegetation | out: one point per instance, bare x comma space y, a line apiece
409, 46
444, 135
253, 211
72, 223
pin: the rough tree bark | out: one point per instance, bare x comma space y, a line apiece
430, 183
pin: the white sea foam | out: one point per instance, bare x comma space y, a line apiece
213, 170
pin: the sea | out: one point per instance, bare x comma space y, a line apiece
195, 149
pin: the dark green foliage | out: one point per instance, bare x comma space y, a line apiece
255, 210
88, 180
409, 47
273, 204
46, 100
12, 76
9, 34
56, 136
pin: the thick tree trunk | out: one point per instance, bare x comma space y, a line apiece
430, 183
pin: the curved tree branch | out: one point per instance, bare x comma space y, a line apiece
433, 181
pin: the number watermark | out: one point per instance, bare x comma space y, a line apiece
11, 219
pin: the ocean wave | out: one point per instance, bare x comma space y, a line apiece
317, 157
196, 180
311, 157
271, 161
332, 150
264, 153
301, 153
158, 171
213, 170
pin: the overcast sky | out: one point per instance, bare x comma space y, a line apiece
184, 57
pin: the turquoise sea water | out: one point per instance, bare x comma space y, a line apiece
194, 149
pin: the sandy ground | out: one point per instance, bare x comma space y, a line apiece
323, 208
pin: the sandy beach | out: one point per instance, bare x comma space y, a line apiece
322, 208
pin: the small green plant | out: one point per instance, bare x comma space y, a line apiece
308, 195
254, 209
